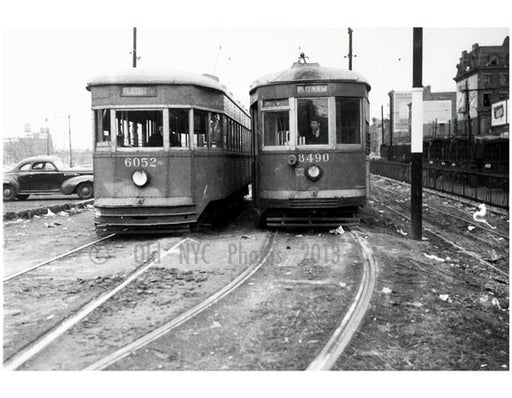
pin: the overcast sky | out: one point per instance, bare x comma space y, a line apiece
45, 70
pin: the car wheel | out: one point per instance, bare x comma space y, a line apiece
22, 197
9, 193
85, 190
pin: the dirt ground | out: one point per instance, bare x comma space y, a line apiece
434, 307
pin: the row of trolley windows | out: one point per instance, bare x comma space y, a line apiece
144, 128
313, 123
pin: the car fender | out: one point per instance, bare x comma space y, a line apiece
69, 186
12, 181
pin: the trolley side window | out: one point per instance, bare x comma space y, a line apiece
276, 129
200, 128
139, 129
313, 121
216, 130
348, 120
102, 125
178, 128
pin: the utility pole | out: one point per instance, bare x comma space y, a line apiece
350, 49
134, 53
70, 153
417, 135
382, 123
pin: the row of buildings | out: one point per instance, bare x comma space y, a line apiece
477, 107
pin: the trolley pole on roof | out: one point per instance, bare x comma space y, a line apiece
134, 53
417, 135
350, 48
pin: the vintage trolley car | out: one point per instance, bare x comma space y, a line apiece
311, 130
166, 145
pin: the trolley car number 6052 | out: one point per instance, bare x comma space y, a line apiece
140, 162
313, 157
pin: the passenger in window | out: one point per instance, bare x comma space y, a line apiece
315, 136
156, 139
174, 140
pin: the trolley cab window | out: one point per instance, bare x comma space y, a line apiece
276, 128
313, 121
139, 128
103, 127
178, 128
348, 121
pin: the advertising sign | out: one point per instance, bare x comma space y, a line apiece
499, 113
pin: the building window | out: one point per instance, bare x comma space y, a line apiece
487, 99
348, 118
276, 129
313, 121
487, 79
503, 79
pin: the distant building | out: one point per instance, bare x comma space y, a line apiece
378, 136
482, 80
438, 114
31, 144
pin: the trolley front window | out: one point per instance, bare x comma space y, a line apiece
200, 128
276, 128
313, 121
348, 121
139, 129
102, 124
178, 128
216, 130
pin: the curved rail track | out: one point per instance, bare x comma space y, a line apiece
341, 337
49, 337
60, 256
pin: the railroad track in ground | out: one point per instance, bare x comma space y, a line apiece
462, 218
350, 323
58, 257
50, 338
434, 230
188, 315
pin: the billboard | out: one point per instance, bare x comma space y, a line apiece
499, 113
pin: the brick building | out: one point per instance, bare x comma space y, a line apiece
482, 80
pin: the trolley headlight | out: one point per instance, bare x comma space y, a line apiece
314, 172
140, 178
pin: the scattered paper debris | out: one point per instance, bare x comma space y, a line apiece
63, 213
337, 231
445, 297
298, 236
215, 324
496, 302
89, 206
401, 231
480, 214
471, 227
343, 284
50, 213
434, 257
50, 317
387, 290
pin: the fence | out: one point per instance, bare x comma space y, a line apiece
479, 186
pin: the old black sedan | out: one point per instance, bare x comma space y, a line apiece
46, 175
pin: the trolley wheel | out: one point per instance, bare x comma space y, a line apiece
22, 197
85, 190
9, 193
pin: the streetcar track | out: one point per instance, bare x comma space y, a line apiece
349, 325
450, 242
60, 256
472, 222
33, 348
187, 315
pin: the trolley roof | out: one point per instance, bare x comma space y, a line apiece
159, 76
309, 72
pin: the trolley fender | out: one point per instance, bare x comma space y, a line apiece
12, 181
69, 186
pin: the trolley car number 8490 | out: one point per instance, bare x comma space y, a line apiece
140, 162
313, 157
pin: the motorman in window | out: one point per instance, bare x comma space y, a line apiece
315, 136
